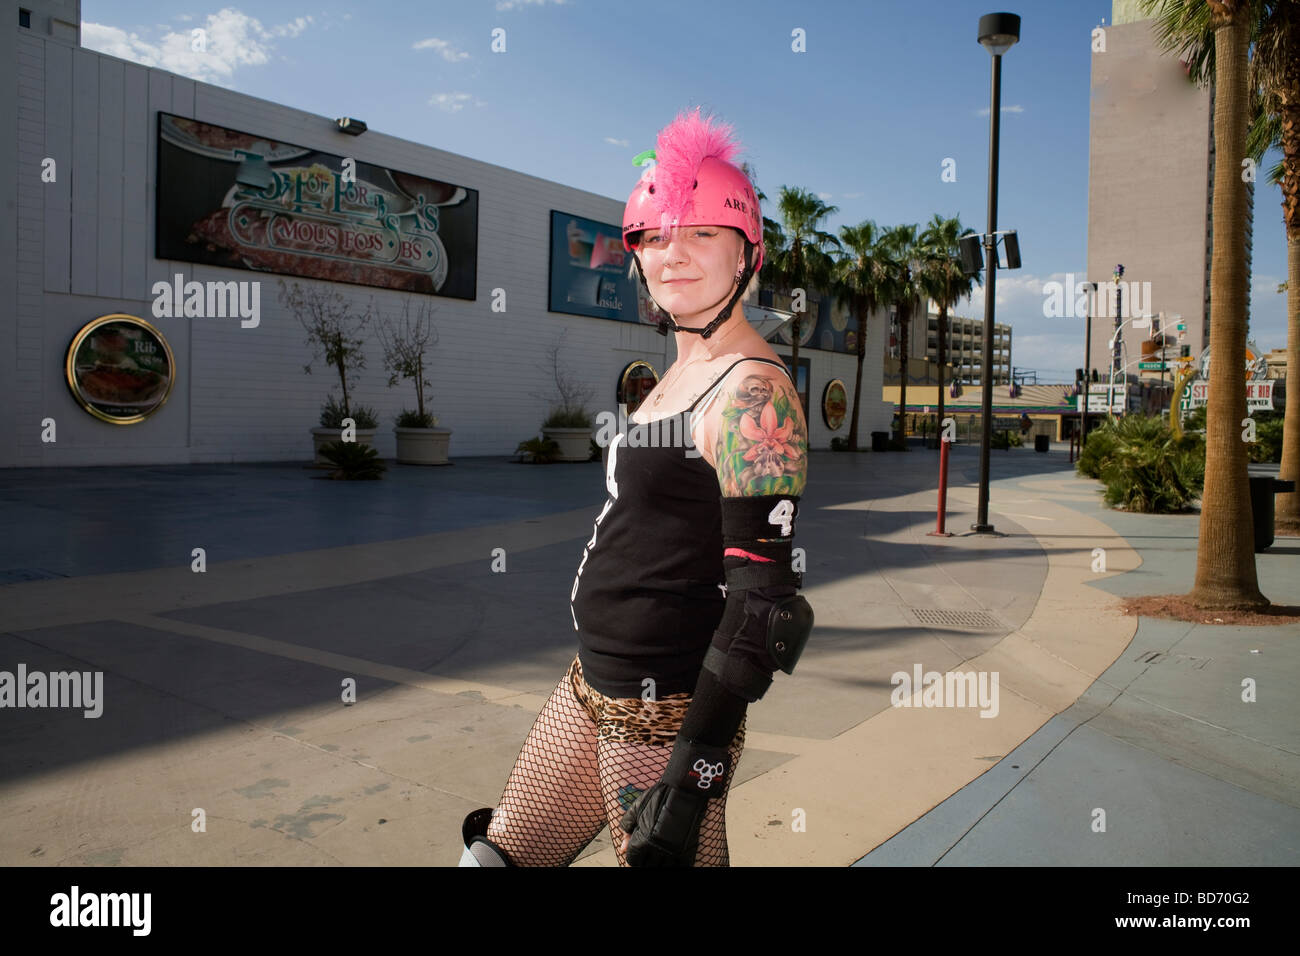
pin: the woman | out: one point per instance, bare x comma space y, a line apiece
685, 601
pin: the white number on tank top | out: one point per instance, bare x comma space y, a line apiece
780, 515
612, 487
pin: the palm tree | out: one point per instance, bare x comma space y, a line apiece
799, 257
857, 284
1225, 554
904, 265
944, 280
1275, 88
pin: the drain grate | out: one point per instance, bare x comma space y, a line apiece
977, 620
18, 575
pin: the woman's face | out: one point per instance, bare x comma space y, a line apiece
693, 272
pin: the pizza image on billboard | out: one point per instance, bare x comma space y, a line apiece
243, 201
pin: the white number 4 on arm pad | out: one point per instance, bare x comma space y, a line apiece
781, 515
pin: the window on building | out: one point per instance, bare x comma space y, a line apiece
25, 18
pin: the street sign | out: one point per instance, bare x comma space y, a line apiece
1153, 366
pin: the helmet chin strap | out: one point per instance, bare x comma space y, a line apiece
708, 330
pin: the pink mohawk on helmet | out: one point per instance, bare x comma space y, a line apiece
682, 145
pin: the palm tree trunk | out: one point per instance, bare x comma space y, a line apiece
1225, 554
857, 385
1288, 505
903, 321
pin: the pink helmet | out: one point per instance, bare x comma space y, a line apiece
693, 183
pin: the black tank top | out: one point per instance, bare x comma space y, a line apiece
649, 591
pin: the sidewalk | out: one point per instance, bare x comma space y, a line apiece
222, 688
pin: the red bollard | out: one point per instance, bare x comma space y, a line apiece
943, 489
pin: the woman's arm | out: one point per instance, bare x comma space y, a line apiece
761, 456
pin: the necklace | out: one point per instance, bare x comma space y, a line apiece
663, 386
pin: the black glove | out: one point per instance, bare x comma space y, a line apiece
664, 823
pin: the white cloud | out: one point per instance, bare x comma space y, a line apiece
1006, 109
454, 102
519, 4
232, 39
292, 28
449, 52
616, 142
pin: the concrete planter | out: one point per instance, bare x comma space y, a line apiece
422, 446
322, 436
575, 443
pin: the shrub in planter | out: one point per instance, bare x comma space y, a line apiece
410, 419
332, 414
562, 417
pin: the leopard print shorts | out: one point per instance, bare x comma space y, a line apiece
655, 722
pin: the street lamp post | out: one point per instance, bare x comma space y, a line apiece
1087, 370
998, 32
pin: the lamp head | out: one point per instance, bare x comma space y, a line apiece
999, 32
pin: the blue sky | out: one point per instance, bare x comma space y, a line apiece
864, 118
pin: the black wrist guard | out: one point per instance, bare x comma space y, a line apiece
698, 768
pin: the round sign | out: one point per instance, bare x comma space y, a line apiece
119, 368
834, 402
635, 383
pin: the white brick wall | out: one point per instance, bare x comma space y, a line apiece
86, 248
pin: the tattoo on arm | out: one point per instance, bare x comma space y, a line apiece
762, 446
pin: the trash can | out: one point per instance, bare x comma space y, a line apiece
880, 441
1042, 442
1262, 489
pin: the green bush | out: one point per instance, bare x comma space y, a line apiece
1098, 448
1143, 467
562, 417
353, 460
1267, 445
1005, 438
332, 414
410, 419
540, 450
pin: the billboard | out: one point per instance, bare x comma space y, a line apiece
244, 201
589, 272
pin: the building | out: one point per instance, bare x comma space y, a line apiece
964, 352
1276, 360
177, 206
1151, 217
1052, 410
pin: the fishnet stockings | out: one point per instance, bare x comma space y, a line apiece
582, 766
